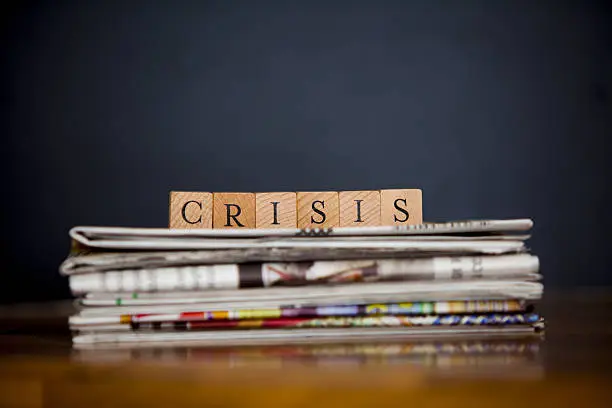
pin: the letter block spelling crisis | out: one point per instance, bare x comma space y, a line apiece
401, 207
190, 210
276, 210
233, 210
318, 209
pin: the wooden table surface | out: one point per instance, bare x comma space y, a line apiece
571, 366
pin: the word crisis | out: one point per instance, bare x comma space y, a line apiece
324, 209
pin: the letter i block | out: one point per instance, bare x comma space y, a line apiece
190, 210
233, 210
318, 209
276, 210
401, 207
359, 208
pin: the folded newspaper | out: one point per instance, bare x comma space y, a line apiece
251, 285
108, 248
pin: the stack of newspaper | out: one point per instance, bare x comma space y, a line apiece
155, 287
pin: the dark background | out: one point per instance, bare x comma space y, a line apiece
495, 109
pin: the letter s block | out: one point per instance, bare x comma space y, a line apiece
190, 210
233, 210
318, 209
401, 207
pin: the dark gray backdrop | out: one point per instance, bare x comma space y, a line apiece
495, 109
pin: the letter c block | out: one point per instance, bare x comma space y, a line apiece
190, 210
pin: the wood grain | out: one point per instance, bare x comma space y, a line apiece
312, 205
190, 210
359, 208
233, 210
276, 210
401, 207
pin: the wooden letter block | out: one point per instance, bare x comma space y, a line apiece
318, 209
276, 210
190, 210
401, 207
359, 208
233, 210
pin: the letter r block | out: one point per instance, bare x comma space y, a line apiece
318, 209
276, 210
401, 207
233, 210
359, 208
190, 210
